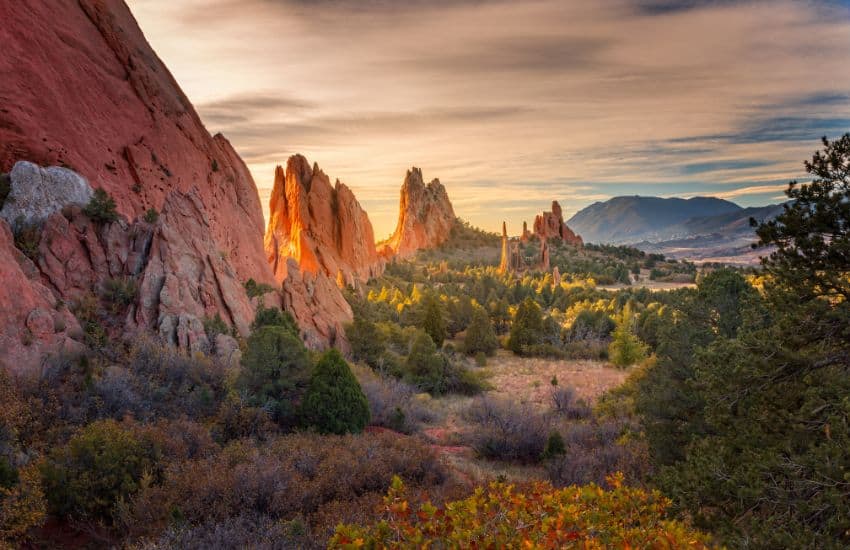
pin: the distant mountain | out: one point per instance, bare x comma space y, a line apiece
701, 229
737, 222
634, 219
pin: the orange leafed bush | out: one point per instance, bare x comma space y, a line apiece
543, 517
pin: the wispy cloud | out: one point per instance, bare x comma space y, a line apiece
753, 190
513, 104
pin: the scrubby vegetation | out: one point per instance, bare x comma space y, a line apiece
731, 428
5, 187
101, 208
539, 516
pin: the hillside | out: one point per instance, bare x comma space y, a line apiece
633, 219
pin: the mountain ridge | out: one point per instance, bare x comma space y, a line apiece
634, 219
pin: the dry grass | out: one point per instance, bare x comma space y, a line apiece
529, 379
520, 379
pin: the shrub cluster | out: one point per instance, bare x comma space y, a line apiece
540, 516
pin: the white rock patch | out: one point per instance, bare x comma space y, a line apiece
37, 192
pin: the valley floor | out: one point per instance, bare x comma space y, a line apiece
525, 381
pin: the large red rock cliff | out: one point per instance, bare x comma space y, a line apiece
425, 218
321, 226
82, 89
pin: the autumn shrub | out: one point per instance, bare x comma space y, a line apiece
506, 430
591, 350
100, 465
394, 403
236, 419
288, 477
334, 402
504, 516
592, 451
22, 507
160, 381
248, 530
567, 404
590, 324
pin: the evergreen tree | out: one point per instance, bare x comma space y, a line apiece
275, 367
527, 327
555, 445
625, 348
334, 402
101, 207
433, 322
367, 342
812, 235
480, 336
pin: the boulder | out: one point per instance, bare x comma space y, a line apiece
36, 193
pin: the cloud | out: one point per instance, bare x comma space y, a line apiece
513, 104
754, 190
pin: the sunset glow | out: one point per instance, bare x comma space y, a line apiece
514, 104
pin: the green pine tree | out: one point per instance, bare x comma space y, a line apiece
625, 348
334, 402
433, 322
480, 336
527, 327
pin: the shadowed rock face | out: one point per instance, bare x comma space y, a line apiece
425, 218
321, 226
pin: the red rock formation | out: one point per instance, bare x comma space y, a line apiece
83, 89
31, 324
322, 227
544, 255
425, 218
526, 234
549, 225
505, 262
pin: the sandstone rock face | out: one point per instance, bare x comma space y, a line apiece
550, 225
32, 326
318, 304
321, 226
425, 219
36, 192
82, 89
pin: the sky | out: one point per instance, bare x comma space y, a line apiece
513, 104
